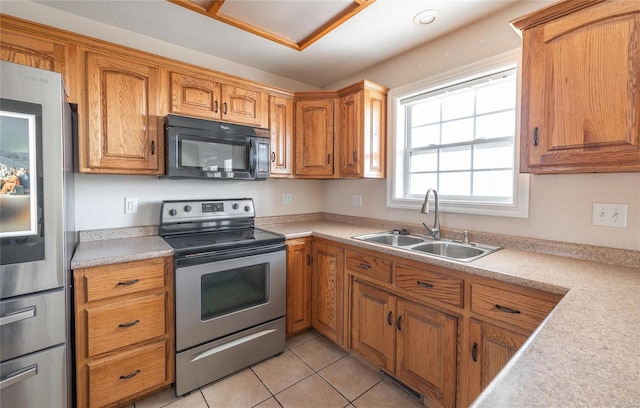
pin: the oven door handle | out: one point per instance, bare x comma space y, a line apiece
231, 344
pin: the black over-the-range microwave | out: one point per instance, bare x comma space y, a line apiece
207, 149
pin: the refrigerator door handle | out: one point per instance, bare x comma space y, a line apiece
22, 314
19, 376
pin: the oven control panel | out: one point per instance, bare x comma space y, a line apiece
202, 210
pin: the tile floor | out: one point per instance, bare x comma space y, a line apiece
312, 372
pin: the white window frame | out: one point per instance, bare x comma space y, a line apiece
396, 142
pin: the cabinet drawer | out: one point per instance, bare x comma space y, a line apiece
430, 284
103, 282
513, 308
125, 323
113, 379
369, 265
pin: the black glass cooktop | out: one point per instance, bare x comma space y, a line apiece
210, 241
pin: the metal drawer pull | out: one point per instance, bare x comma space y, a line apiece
308, 259
474, 352
507, 309
389, 320
273, 157
224, 108
355, 156
129, 324
399, 323
128, 283
215, 107
535, 136
133, 374
365, 266
22, 314
19, 376
424, 284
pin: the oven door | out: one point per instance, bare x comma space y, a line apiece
215, 299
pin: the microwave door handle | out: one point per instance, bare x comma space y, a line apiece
253, 152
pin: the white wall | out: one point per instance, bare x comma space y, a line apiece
100, 198
560, 206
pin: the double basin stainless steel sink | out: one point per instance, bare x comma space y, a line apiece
456, 250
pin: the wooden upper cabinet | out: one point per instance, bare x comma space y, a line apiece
281, 127
580, 89
120, 130
194, 95
362, 139
24, 48
314, 138
244, 105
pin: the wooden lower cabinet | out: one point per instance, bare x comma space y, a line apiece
124, 331
415, 343
298, 285
491, 348
327, 286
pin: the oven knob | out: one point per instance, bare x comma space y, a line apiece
247, 208
172, 211
187, 208
235, 206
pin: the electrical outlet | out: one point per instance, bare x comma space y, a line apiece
286, 199
130, 205
356, 200
610, 215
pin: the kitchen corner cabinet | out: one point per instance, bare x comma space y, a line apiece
491, 348
124, 331
281, 127
415, 343
298, 285
327, 290
120, 129
580, 92
204, 97
362, 138
314, 137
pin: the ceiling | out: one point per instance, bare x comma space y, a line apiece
379, 32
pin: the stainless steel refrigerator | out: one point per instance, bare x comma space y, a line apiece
37, 238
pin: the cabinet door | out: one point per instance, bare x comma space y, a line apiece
580, 93
375, 133
281, 127
327, 284
195, 96
244, 105
426, 351
314, 138
122, 133
373, 325
351, 135
298, 285
491, 349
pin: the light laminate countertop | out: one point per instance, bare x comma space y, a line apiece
585, 354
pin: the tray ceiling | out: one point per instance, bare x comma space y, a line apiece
295, 24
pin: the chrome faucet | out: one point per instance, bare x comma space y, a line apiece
435, 231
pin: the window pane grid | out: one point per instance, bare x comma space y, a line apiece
469, 153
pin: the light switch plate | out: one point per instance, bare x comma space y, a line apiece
610, 215
356, 200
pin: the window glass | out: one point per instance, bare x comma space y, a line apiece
459, 137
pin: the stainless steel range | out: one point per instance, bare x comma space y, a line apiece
230, 288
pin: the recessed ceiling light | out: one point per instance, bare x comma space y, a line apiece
426, 17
